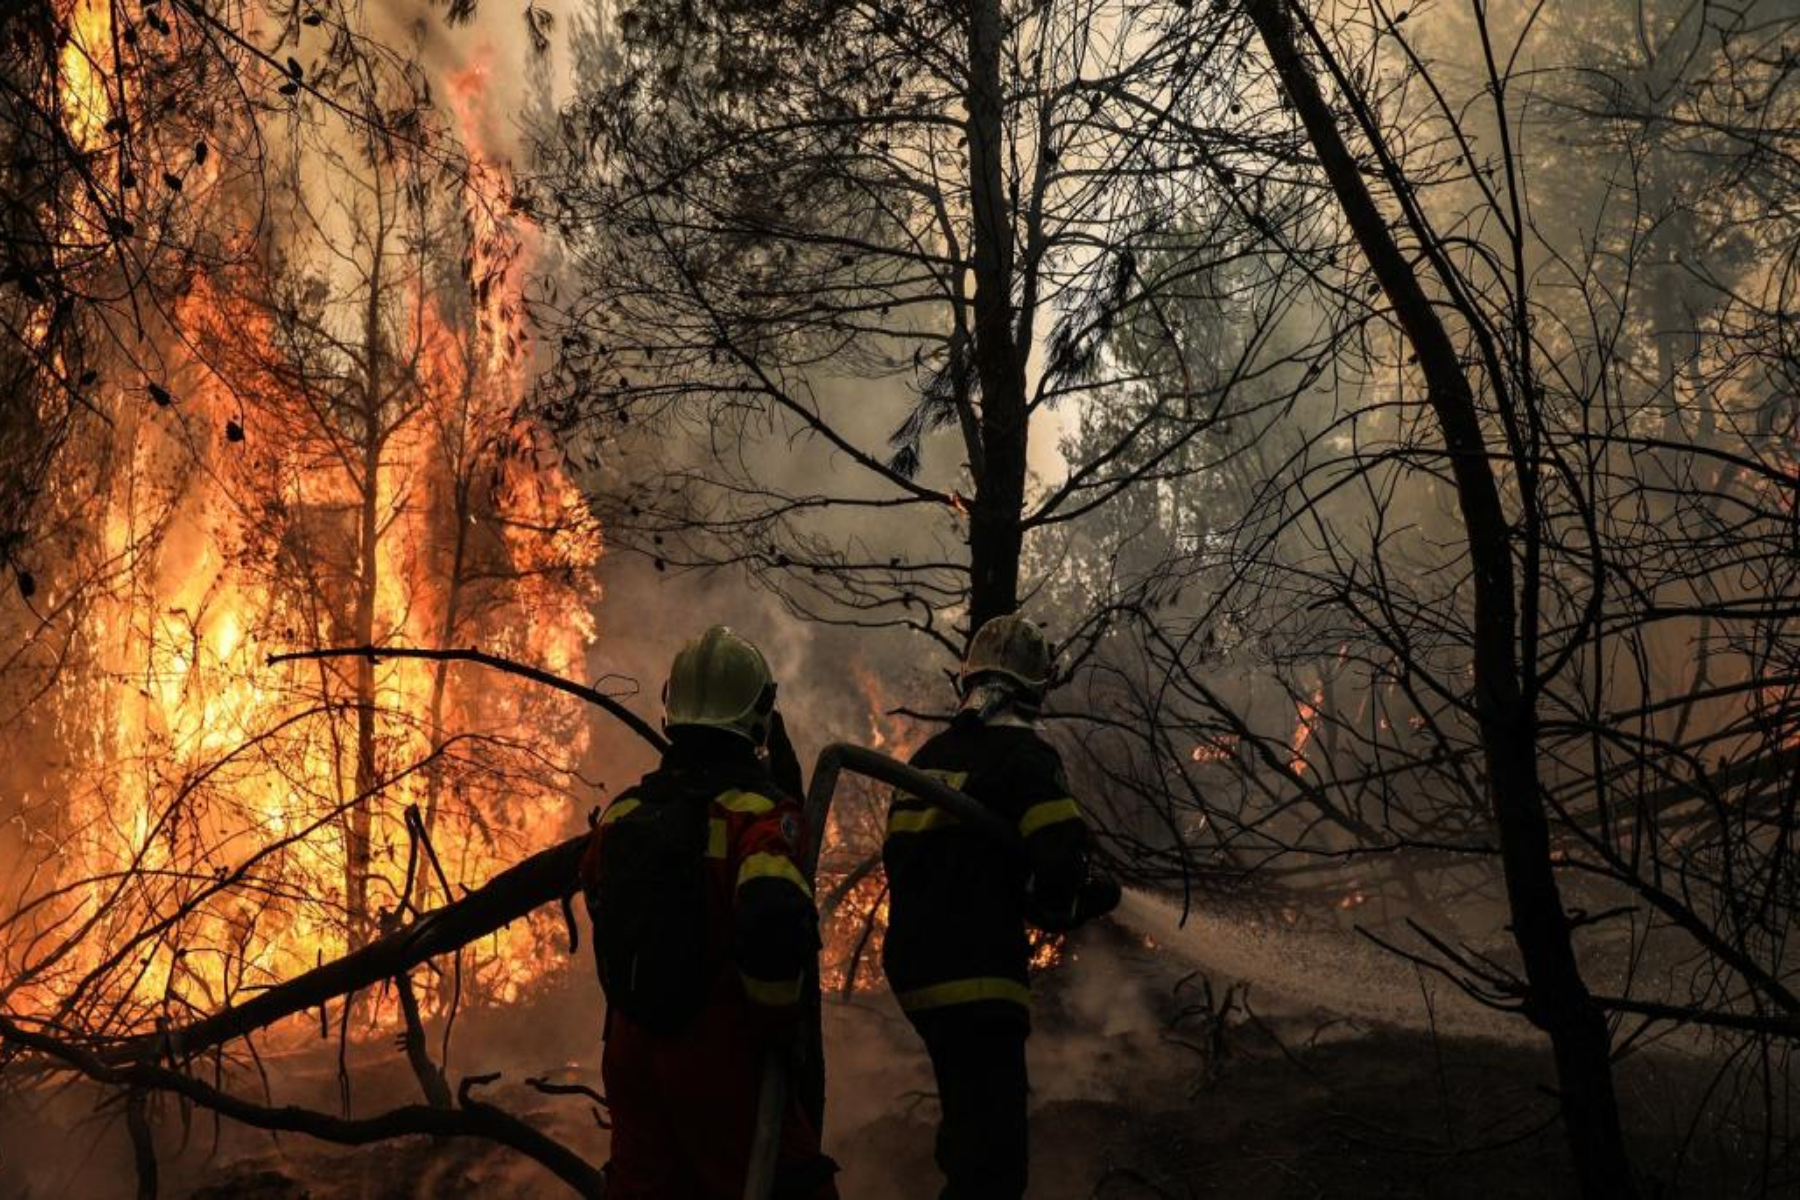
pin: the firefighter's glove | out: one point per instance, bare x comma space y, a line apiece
1095, 897
1099, 896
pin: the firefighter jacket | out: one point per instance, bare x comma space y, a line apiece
958, 903
761, 929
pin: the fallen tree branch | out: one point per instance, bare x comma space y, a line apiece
472, 1119
546, 876
580, 691
412, 1043
549, 875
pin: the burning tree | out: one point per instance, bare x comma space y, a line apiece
341, 465
1397, 524
315, 441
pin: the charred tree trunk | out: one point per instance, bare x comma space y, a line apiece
143, 1143
996, 516
440, 675
371, 433
1559, 1001
357, 856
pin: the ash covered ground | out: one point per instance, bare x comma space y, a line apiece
1243, 1054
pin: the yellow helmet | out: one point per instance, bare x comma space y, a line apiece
1012, 647
721, 681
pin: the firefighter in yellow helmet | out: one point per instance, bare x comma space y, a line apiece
705, 937
956, 950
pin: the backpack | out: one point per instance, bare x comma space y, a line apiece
649, 906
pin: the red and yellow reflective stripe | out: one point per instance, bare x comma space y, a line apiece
762, 865
965, 991
738, 801
1050, 812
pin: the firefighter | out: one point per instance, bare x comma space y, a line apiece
705, 937
957, 950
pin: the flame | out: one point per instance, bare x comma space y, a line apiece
205, 846
851, 885
1220, 749
86, 63
1306, 714
893, 733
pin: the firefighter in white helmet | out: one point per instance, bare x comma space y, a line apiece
705, 937
957, 950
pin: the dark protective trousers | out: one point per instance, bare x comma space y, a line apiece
684, 1114
979, 1058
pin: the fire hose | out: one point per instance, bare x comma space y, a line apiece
833, 761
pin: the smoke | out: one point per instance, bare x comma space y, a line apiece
493, 51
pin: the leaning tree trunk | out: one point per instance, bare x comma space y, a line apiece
1559, 1002
996, 515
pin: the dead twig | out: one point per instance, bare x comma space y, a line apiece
599, 699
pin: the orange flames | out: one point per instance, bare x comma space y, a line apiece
228, 823
1306, 713
86, 65
852, 888
1221, 749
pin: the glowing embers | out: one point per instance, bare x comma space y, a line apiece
1222, 748
1306, 721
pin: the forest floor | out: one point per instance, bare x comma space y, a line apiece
1321, 1079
